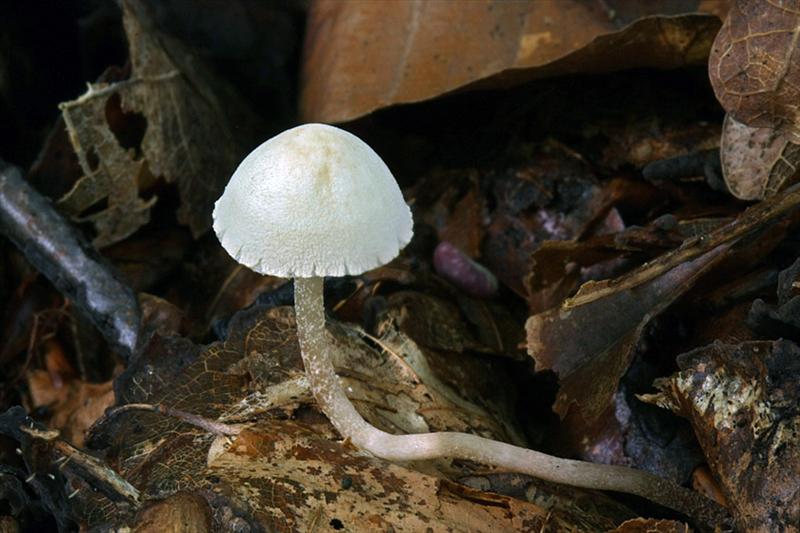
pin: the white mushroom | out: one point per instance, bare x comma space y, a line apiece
317, 201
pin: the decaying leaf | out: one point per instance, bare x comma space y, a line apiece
188, 138
462, 225
395, 387
755, 65
703, 481
756, 162
552, 196
67, 403
743, 403
450, 390
363, 56
589, 340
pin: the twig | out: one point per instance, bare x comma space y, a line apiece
62, 254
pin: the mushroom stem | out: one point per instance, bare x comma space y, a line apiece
332, 400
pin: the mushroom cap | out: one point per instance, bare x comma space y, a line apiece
314, 200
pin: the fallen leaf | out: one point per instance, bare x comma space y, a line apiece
161, 315
463, 226
210, 286
703, 481
74, 406
554, 195
147, 258
742, 401
507, 249
363, 56
754, 66
590, 511
645, 141
454, 392
756, 162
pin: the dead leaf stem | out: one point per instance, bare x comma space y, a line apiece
218, 428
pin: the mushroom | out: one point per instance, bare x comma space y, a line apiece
317, 201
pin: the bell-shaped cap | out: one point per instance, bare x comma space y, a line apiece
312, 201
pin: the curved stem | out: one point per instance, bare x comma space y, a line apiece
333, 401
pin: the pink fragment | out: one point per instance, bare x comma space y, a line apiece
454, 266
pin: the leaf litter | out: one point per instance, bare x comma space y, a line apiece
616, 276
286, 474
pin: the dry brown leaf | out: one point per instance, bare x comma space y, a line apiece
463, 226
755, 65
756, 162
396, 388
742, 401
361, 56
703, 482
593, 511
451, 391
188, 140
